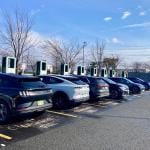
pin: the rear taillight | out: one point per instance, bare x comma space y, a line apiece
102, 86
24, 93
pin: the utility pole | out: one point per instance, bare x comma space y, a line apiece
84, 45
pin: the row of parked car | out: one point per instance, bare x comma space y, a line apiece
21, 94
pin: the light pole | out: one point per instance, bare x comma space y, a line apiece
84, 45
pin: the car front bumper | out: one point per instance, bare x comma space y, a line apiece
125, 93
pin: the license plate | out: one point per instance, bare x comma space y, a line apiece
40, 103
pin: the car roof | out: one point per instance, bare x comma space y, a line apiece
88, 76
117, 78
16, 76
67, 76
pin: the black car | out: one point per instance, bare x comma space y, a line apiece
138, 80
22, 94
134, 88
117, 91
98, 88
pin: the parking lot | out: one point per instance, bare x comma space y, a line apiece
40, 127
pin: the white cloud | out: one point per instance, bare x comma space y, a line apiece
107, 18
35, 11
115, 40
125, 15
142, 13
138, 25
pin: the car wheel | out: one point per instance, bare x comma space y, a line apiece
135, 90
114, 94
4, 112
60, 101
146, 87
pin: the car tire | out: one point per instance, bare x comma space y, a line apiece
60, 101
146, 87
4, 112
135, 90
115, 94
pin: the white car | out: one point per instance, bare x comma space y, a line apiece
67, 90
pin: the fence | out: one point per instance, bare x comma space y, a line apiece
142, 75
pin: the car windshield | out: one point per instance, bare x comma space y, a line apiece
128, 81
140, 80
31, 83
100, 81
109, 81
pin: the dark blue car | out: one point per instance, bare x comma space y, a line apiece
138, 80
117, 91
135, 88
22, 94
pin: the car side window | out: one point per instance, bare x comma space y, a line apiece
54, 80
51, 80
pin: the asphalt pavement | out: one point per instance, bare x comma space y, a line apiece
99, 126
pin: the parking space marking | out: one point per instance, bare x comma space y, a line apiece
91, 111
95, 105
115, 103
107, 103
6, 137
63, 114
82, 109
3, 145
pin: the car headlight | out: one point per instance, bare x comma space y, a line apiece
50, 91
122, 88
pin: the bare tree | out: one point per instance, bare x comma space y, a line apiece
16, 35
63, 52
97, 54
137, 66
146, 65
30, 60
111, 62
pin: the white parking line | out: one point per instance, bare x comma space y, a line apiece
63, 114
82, 109
95, 105
6, 137
3, 145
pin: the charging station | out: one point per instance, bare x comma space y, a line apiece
64, 69
112, 73
80, 70
9, 65
41, 68
124, 74
104, 73
93, 71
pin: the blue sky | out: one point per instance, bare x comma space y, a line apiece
123, 24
